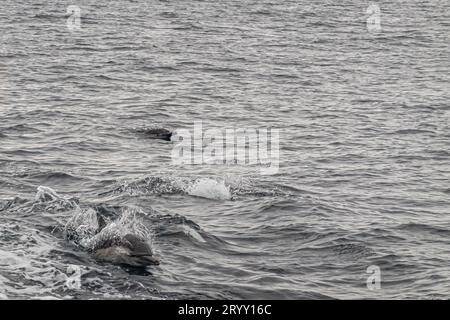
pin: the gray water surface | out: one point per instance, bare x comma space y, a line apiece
364, 166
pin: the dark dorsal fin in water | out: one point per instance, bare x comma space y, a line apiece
157, 133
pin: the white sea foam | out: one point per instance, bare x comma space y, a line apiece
52, 200
46, 194
83, 223
210, 189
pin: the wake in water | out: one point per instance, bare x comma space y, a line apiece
94, 237
221, 189
208, 188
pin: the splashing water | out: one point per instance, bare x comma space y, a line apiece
210, 189
46, 194
52, 200
83, 225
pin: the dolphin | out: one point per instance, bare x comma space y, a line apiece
128, 250
157, 133
131, 250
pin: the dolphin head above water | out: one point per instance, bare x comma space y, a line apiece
131, 251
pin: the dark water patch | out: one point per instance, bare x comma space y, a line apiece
412, 131
422, 228
53, 177
169, 15
20, 128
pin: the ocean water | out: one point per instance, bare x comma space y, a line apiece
363, 179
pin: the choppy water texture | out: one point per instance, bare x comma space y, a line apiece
364, 168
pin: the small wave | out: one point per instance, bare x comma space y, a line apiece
263, 12
161, 68
180, 227
419, 228
48, 176
191, 232
48, 195
350, 251
413, 131
220, 70
48, 199
20, 128
49, 16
